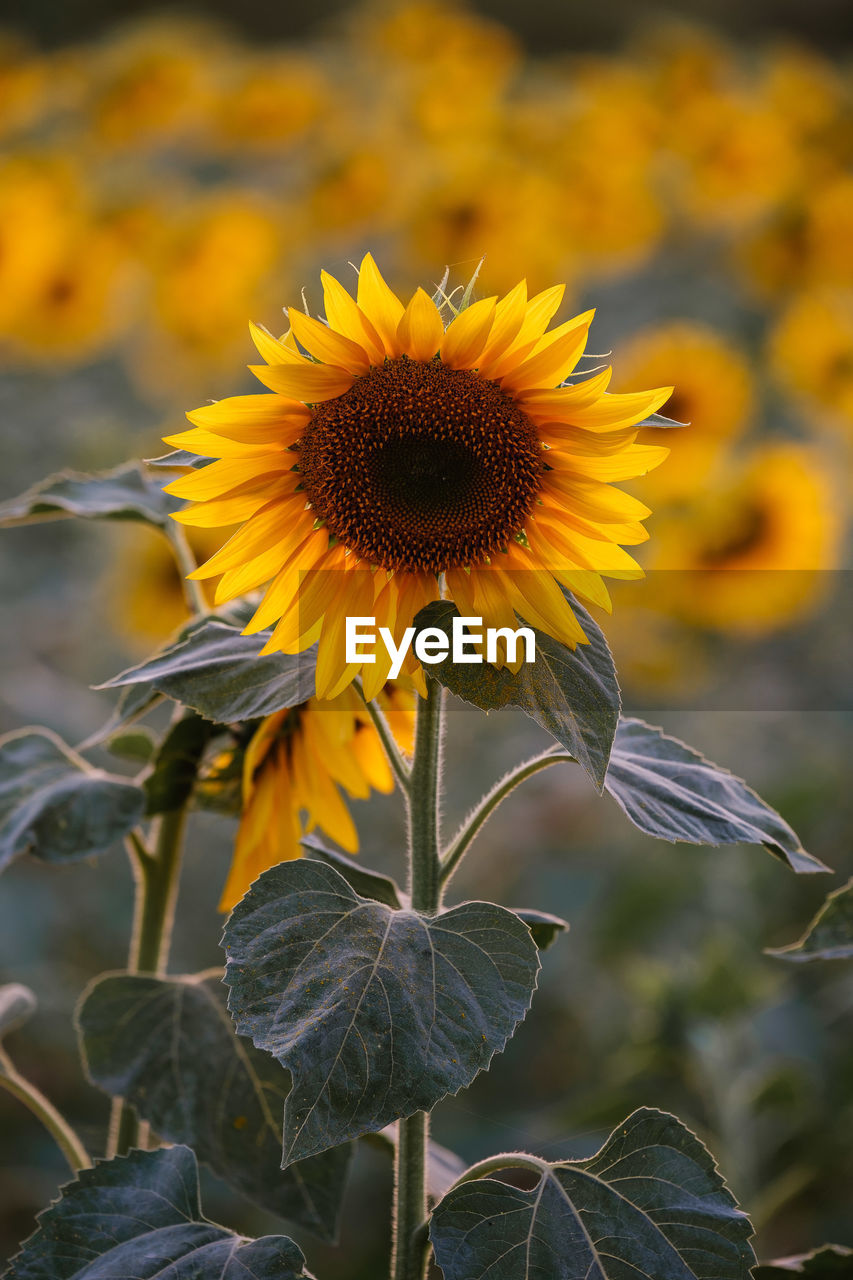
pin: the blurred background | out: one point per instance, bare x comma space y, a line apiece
687, 169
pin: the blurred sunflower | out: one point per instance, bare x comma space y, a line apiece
751, 556
714, 395
403, 459
292, 772
811, 349
146, 595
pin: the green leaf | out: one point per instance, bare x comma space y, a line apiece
370, 884
377, 1013
137, 745
17, 1005
544, 927
215, 670
169, 1047
573, 693
171, 783
127, 493
830, 1262
139, 1216
830, 934
672, 792
650, 1204
54, 805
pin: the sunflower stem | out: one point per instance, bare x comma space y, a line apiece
395, 756
57, 1126
409, 1255
478, 816
187, 564
156, 875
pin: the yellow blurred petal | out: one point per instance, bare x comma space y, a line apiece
420, 330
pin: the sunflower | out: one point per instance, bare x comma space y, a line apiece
401, 460
293, 770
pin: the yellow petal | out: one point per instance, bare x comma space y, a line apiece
420, 330
268, 527
280, 594
467, 334
554, 360
326, 345
238, 506
354, 598
256, 419
550, 405
380, 304
636, 460
273, 350
346, 317
538, 314
615, 410
310, 382
208, 445
509, 316
219, 478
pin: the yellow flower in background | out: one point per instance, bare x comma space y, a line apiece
41, 207
146, 596
213, 262
268, 101
480, 207
294, 769
152, 82
735, 159
811, 349
713, 394
402, 456
804, 89
23, 87
753, 553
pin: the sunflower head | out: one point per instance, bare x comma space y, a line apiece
399, 459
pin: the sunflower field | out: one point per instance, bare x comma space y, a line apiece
316, 350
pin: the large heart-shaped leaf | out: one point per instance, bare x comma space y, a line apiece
215, 670
127, 493
169, 1047
139, 1216
671, 791
377, 1013
830, 934
55, 805
573, 693
650, 1204
366, 881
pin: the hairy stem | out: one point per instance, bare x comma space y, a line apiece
67, 1140
409, 1259
486, 807
395, 756
186, 561
157, 876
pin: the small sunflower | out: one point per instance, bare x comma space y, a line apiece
402, 460
293, 770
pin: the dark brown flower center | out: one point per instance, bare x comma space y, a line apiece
421, 467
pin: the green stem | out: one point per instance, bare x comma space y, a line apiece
67, 1140
395, 756
186, 562
495, 1164
486, 807
409, 1259
157, 876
